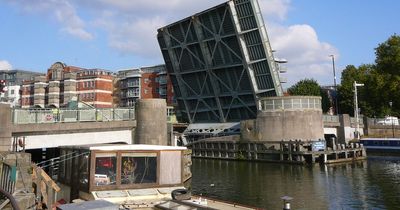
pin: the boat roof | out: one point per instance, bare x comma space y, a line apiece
380, 139
113, 147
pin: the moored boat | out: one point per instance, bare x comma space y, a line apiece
381, 144
130, 177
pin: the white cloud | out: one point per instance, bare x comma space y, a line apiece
62, 10
137, 36
131, 28
274, 9
141, 43
5, 65
132, 25
308, 56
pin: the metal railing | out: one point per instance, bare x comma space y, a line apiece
6, 182
384, 121
292, 102
32, 116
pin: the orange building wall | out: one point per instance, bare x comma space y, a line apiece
170, 93
149, 86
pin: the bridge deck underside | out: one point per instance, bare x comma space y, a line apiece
220, 62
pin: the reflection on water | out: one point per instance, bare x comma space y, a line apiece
370, 184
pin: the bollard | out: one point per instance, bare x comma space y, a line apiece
286, 202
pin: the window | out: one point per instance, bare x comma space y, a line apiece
12, 92
139, 168
84, 171
146, 80
92, 84
106, 169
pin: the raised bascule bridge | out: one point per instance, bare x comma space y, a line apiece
220, 62
223, 72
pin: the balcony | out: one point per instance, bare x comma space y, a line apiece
162, 81
130, 85
132, 95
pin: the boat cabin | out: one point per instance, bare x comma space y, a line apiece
381, 144
94, 172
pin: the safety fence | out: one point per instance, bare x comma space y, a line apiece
32, 116
293, 102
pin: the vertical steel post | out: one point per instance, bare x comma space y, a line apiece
334, 83
355, 84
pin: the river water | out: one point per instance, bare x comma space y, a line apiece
370, 184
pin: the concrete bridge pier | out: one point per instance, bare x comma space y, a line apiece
5, 127
151, 118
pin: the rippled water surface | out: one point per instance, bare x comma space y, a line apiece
369, 184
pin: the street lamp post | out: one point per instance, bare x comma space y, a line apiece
355, 85
391, 117
334, 83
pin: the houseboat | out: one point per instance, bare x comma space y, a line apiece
131, 177
381, 144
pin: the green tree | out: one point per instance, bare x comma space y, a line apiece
381, 80
305, 87
310, 87
388, 66
346, 89
388, 56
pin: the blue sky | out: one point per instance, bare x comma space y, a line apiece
117, 34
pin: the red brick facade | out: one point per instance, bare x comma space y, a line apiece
63, 84
170, 93
153, 83
149, 86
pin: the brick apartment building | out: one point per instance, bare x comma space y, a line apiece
144, 82
13, 80
63, 84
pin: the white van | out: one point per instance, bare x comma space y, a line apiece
388, 120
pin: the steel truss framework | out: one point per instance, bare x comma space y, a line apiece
220, 62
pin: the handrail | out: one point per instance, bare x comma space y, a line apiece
292, 102
34, 116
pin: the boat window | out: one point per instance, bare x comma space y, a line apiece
106, 169
84, 170
138, 168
